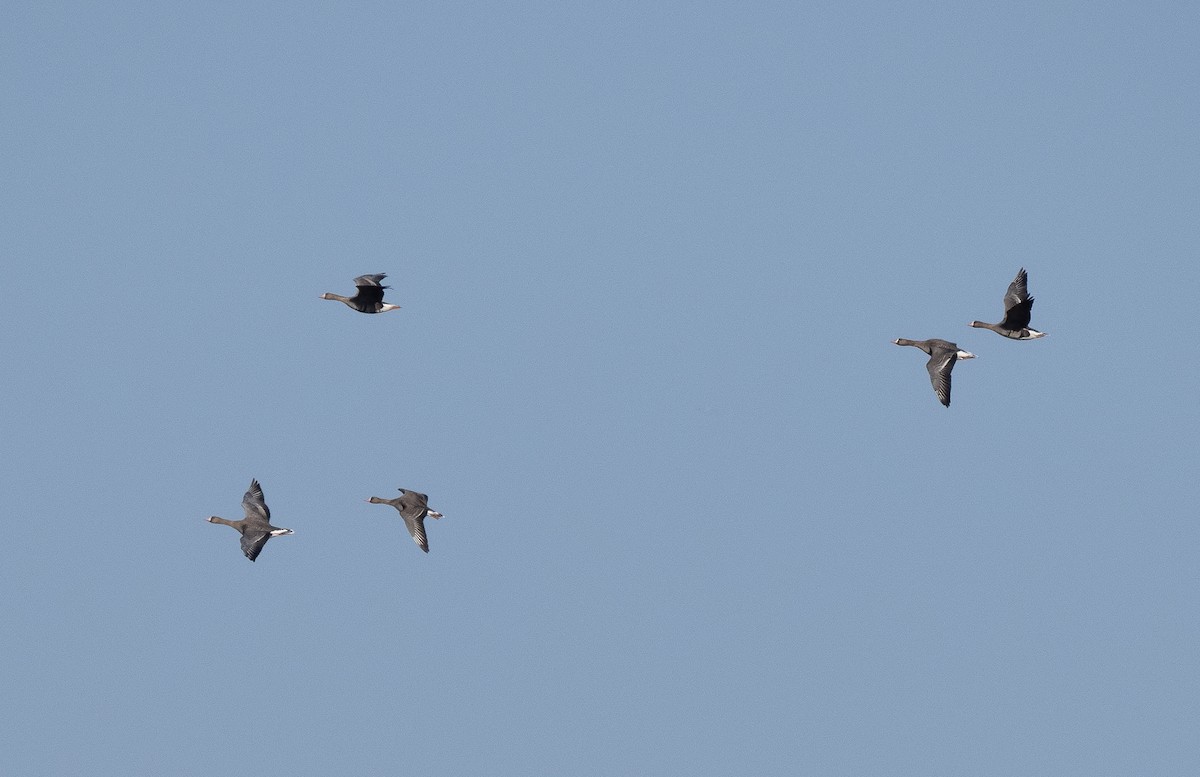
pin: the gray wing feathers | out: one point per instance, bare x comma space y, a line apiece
939, 366
416, 527
254, 504
253, 542
1018, 290
413, 508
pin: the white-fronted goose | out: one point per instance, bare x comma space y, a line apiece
942, 355
413, 508
256, 527
369, 298
1018, 306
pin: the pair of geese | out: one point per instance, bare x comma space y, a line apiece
256, 527
1018, 307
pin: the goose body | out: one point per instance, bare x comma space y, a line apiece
1018, 307
942, 356
413, 507
256, 527
369, 298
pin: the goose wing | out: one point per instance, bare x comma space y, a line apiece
1017, 303
413, 508
254, 504
416, 527
940, 363
370, 290
253, 541
1018, 290
1017, 317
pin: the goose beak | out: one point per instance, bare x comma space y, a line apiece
434, 514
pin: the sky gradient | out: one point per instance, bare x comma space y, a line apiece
701, 517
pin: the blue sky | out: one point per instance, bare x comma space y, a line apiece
701, 516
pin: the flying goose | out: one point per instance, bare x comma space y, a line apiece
1018, 306
369, 298
256, 527
942, 355
413, 508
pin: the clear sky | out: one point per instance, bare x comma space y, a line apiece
701, 517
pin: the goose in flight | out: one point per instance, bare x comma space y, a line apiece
369, 298
256, 527
942, 355
1018, 306
413, 507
